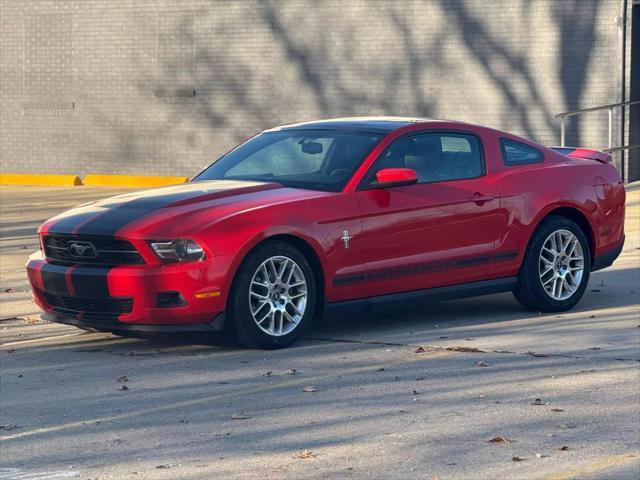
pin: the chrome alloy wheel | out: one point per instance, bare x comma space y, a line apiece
278, 296
561, 264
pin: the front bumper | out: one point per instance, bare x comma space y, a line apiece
126, 297
214, 326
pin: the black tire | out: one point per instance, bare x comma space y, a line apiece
529, 290
241, 322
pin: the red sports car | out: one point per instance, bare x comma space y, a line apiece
313, 215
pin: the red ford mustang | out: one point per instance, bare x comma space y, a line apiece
318, 214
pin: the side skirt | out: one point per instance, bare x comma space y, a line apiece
437, 294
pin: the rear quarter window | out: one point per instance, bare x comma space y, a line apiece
517, 153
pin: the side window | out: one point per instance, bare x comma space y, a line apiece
436, 157
516, 153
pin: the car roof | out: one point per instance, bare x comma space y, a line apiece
369, 124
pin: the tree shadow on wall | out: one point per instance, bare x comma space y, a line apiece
577, 40
331, 78
238, 95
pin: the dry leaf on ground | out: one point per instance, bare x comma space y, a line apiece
304, 454
465, 349
240, 416
9, 426
499, 440
310, 389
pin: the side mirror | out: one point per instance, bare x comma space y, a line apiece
395, 177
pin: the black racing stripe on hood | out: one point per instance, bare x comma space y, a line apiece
114, 214
54, 279
67, 223
118, 215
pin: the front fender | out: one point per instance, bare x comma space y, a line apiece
275, 232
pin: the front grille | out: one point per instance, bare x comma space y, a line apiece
90, 250
91, 308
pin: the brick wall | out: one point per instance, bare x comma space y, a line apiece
164, 87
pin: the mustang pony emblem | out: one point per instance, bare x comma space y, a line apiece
81, 249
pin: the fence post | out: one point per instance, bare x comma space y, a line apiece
610, 127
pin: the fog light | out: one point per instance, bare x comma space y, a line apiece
170, 299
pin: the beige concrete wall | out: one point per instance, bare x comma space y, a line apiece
164, 87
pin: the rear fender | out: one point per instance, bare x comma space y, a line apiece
575, 212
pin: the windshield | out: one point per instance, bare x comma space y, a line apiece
314, 159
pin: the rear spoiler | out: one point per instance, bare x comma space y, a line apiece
585, 153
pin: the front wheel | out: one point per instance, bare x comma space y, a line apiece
556, 267
273, 298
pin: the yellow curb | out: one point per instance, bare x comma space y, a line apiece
131, 180
39, 179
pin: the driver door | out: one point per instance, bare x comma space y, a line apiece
440, 231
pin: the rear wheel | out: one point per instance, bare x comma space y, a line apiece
556, 267
274, 297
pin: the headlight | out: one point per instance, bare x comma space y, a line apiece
178, 250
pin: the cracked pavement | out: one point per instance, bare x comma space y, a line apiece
415, 392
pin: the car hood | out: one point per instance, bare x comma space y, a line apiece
169, 210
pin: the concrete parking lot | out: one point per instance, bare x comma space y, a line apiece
478, 388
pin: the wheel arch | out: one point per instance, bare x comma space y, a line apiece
576, 215
300, 243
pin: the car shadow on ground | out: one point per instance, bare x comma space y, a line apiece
414, 323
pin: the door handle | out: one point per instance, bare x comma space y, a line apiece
481, 198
